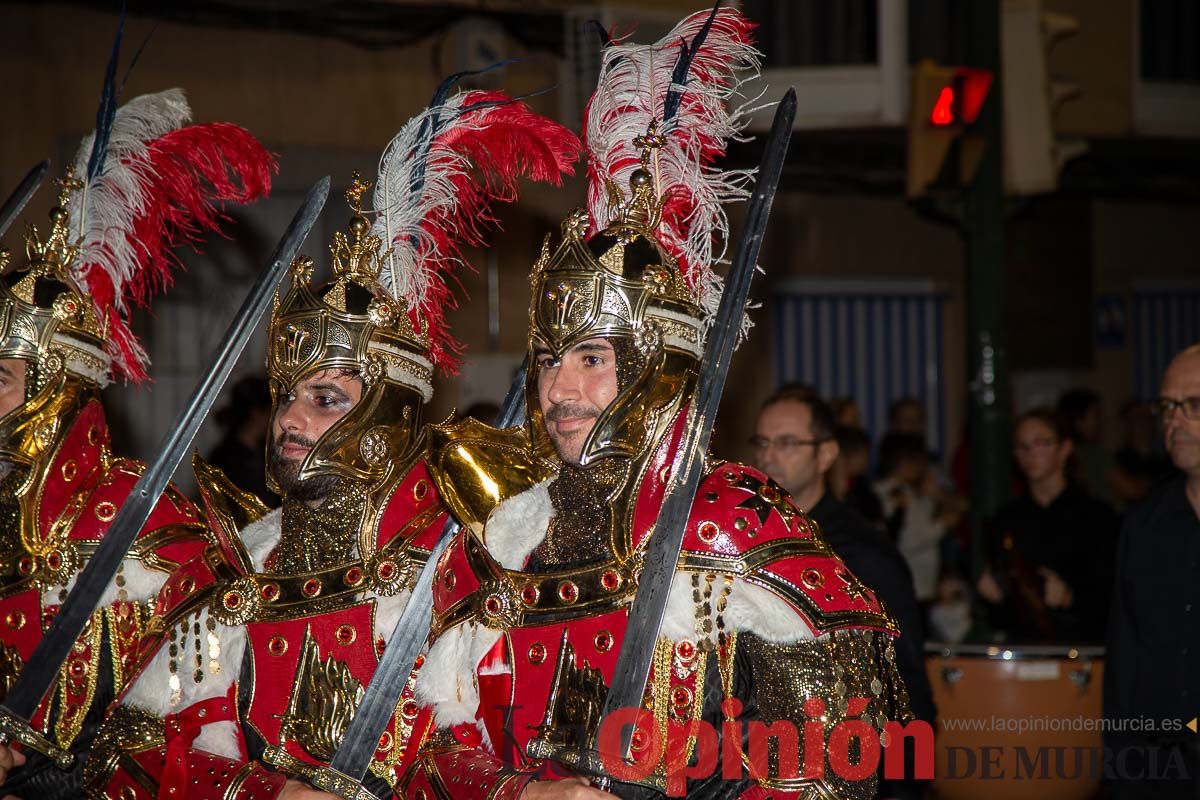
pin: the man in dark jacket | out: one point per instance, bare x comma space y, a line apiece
794, 443
1150, 689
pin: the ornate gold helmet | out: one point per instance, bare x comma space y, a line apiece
636, 268
383, 314
146, 184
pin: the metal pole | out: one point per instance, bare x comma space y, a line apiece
983, 230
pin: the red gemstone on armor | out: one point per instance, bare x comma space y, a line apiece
408, 709
187, 585
537, 653
707, 531
25, 565
345, 634
812, 578
419, 662
681, 696
385, 741
54, 559
448, 580
604, 641
610, 580
353, 576
78, 667
420, 490
15, 620
638, 740
685, 650
568, 592
492, 605
232, 600
311, 587
270, 592
530, 594
386, 570
277, 645
380, 644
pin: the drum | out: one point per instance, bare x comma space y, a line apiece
1017, 721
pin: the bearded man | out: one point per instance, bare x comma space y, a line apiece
274, 635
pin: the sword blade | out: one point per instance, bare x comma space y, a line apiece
42, 668
25, 190
361, 740
654, 586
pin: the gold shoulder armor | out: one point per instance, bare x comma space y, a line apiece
229, 509
476, 467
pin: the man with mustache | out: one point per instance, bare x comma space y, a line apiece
274, 636
65, 334
1153, 653
762, 617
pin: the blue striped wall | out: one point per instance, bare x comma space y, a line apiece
1165, 318
873, 340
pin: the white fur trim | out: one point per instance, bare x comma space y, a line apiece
448, 681
152, 690
388, 611
261, 536
141, 585
518, 525
222, 739
750, 609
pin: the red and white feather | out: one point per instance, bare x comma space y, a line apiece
159, 188
475, 158
634, 81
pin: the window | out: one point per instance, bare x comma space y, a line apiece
875, 341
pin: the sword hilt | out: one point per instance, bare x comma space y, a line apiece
15, 729
322, 776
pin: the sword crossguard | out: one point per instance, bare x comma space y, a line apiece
15, 729
339, 783
321, 776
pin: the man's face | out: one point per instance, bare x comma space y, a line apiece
12, 384
784, 448
573, 391
1182, 435
303, 415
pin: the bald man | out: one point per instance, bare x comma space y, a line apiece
1154, 632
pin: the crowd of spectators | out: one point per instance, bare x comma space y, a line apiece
1048, 554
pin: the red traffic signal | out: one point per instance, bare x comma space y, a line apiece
959, 100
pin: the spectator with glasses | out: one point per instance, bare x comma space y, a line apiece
1051, 549
794, 443
1154, 634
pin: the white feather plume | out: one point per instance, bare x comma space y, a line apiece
634, 83
111, 202
401, 211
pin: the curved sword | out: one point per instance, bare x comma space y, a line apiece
25, 190
42, 668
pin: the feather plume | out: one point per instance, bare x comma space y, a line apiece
438, 179
156, 189
690, 83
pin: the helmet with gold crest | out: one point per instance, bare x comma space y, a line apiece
143, 183
637, 266
382, 316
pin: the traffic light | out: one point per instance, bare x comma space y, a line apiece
1033, 156
943, 153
